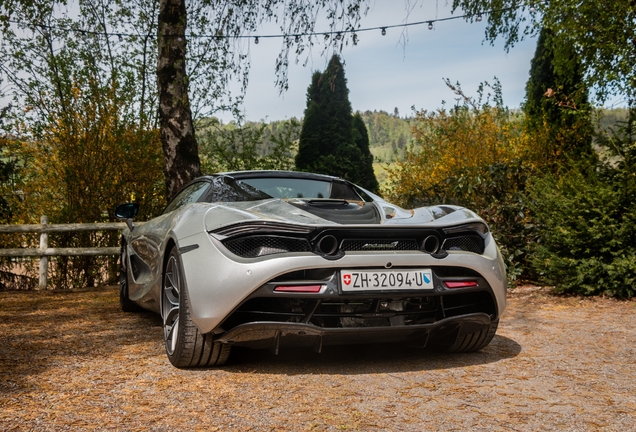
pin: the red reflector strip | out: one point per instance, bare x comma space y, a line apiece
460, 284
299, 288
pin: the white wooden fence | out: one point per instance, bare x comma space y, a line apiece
44, 251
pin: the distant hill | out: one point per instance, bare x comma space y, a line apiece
611, 119
389, 134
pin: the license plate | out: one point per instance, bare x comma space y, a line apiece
358, 280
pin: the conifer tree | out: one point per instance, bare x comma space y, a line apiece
361, 137
557, 99
328, 140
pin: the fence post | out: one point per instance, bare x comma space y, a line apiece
44, 260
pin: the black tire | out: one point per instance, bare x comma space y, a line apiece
185, 345
127, 305
471, 342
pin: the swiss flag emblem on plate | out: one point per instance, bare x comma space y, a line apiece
346, 279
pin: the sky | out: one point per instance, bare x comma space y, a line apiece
383, 73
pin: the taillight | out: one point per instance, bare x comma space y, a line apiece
460, 284
298, 288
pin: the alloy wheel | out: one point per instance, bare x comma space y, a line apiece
170, 304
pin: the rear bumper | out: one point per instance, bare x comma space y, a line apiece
273, 335
219, 282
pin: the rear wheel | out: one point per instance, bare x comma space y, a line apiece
127, 305
470, 342
185, 345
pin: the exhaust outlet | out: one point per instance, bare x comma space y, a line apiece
328, 245
430, 244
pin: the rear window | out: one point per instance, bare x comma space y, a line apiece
279, 187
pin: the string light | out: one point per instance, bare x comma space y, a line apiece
338, 34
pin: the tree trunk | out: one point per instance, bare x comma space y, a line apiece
175, 117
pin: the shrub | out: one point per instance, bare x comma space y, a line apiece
588, 241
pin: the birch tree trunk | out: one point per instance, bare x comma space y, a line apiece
175, 116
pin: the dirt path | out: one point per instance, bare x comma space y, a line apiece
74, 361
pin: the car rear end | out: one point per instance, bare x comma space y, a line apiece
269, 284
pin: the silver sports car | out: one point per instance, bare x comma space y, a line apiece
265, 259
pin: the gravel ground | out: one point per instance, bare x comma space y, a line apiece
73, 361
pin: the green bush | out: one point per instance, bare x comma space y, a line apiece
497, 193
588, 242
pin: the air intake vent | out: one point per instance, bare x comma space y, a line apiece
464, 243
256, 246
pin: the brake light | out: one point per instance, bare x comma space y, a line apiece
460, 284
299, 288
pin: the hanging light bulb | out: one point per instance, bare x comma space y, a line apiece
338, 36
478, 17
120, 37
383, 31
430, 25
532, 9
256, 40
297, 38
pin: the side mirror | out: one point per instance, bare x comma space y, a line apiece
127, 212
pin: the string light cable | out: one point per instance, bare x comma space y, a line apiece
297, 36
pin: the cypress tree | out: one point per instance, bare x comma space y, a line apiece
361, 138
329, 140
557, 99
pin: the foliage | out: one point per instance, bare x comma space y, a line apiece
602, 33
329, 142
587, 219
463, 139
249, 147
588, 233
8, 171
476, 155
85, 163
43, 48
81, 125
80, 167
556, 104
